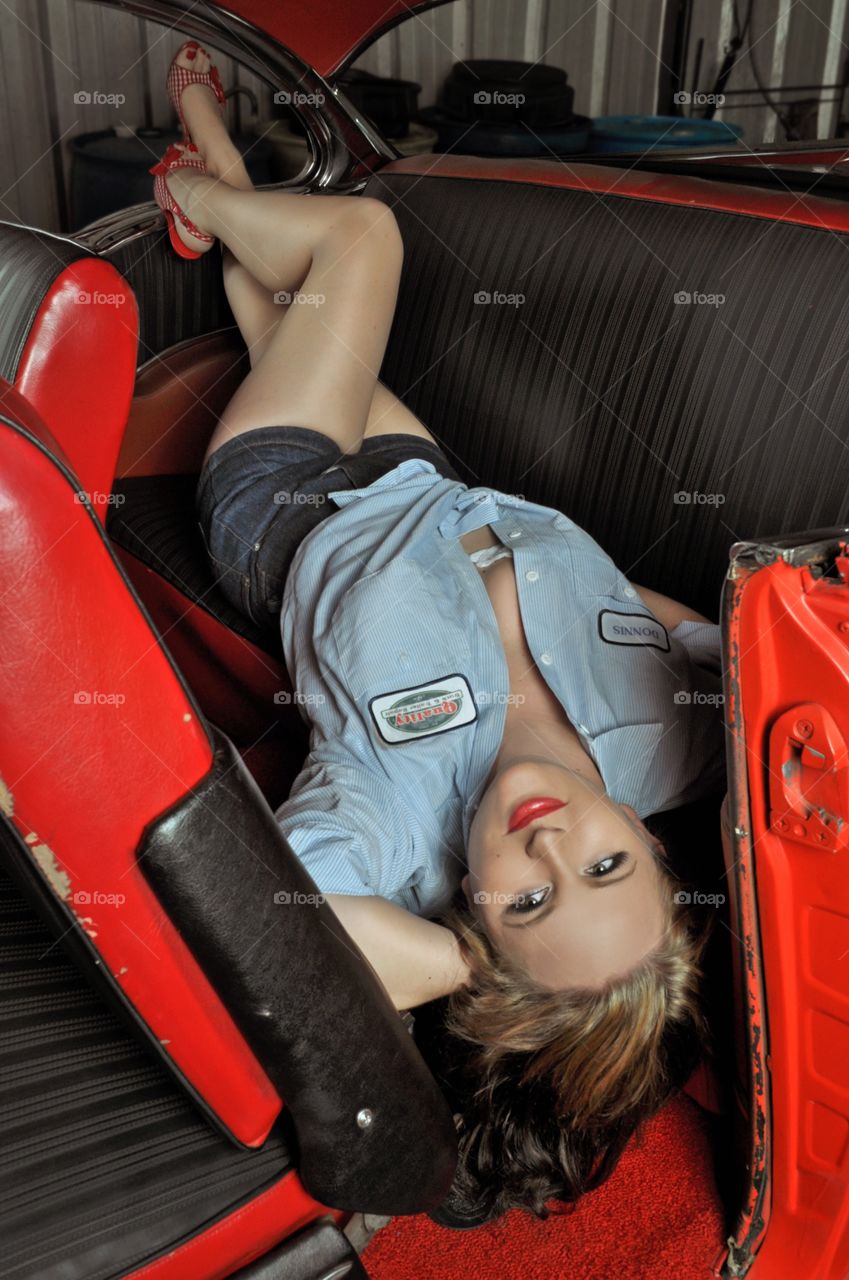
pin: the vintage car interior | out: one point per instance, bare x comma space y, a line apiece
196, 1086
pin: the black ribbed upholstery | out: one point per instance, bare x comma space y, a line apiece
104, 1161
177, 299
602, 397
30, 262
155, 521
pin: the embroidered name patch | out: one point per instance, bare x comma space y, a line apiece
424, 710
632, 628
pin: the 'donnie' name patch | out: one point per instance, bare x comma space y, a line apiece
631, 629
435, 707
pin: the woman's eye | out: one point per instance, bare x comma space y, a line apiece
606, 866
525, 902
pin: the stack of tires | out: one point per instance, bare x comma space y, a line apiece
494, 107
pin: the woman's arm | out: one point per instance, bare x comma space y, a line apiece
415, 959
668, 612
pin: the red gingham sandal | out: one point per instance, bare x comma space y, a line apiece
180, 77
179, 155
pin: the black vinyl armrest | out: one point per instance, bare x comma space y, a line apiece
375, 1134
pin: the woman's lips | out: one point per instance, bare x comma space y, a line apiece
536, 807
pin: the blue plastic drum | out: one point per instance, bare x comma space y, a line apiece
618, 134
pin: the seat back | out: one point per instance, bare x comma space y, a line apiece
662, 359
68, 343
143, 838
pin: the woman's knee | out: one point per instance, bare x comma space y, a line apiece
367, 225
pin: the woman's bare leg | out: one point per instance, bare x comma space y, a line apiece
260, 311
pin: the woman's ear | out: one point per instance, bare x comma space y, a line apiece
464, 885
651, 840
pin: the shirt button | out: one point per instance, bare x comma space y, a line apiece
630, 592
515, 533
532, 575
546, 658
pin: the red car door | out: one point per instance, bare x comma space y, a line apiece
786, 631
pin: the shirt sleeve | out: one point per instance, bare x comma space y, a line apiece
343, 822
702, 640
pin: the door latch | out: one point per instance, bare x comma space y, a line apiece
809, 778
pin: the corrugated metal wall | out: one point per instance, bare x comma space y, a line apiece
51, 50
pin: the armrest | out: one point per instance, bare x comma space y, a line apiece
374, 1131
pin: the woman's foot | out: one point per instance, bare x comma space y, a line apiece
188, 239
203, 119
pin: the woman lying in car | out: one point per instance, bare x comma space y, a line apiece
494, 707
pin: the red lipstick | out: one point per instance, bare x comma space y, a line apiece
536, 807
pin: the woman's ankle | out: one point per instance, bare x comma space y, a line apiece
224, 162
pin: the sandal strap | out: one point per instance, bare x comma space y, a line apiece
179, 78
175, 158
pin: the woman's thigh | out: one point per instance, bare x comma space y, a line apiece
319, 368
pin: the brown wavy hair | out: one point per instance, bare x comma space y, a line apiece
558, 1081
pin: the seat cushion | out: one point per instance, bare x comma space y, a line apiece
153, 517
105, 1162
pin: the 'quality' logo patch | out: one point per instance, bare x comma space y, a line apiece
631, 629
420, 712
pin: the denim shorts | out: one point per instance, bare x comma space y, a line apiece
260, 494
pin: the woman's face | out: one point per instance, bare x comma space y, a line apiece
569, 889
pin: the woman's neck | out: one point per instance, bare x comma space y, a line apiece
528, 735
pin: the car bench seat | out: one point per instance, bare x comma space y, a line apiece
663, 365
132, 833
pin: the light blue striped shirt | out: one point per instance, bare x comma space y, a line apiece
395, 655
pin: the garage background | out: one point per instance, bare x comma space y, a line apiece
617, 54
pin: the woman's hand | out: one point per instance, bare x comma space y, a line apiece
415, 959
